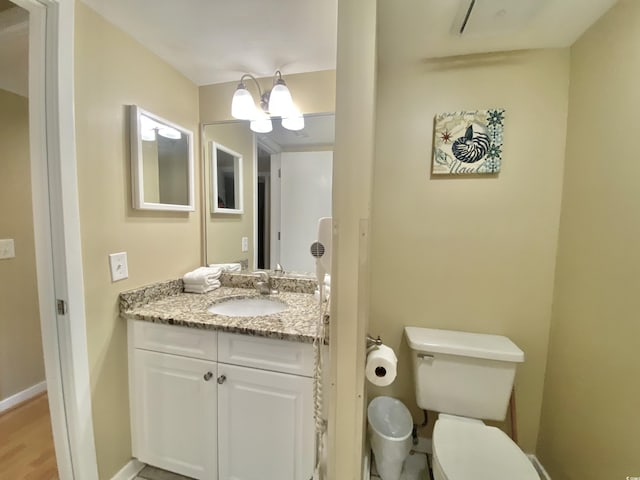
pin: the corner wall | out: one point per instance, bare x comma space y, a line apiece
21, 360
473, 254
113, 71
590, 420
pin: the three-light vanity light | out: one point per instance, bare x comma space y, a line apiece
276, 102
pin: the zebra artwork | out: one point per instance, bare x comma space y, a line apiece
468, 143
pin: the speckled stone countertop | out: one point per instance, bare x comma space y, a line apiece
166, 303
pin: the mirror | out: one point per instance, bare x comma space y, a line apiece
287, 188
161, 163
226, 179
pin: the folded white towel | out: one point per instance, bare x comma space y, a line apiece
228, 267
327, 279
202, 276
188, 288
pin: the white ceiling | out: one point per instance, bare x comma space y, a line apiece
427, 27
213, 41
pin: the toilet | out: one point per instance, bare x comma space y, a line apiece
466, 378
390, 427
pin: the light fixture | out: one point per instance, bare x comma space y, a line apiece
276, 102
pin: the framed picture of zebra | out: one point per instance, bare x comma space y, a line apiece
468, 143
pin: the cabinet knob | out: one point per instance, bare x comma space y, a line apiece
207, 376
222, 379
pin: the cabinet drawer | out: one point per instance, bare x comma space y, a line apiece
187, 342
266, 353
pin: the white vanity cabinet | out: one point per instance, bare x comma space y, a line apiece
173, 398
221, 406
265, 409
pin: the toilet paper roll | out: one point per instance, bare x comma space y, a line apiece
381, 368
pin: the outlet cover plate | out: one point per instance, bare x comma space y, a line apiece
118, 265
7, 249
245, 244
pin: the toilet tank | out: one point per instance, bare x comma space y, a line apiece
462, 373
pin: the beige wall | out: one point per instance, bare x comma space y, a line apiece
113, 71
591, 422
474, 254
21, 361
225, 231
313, 92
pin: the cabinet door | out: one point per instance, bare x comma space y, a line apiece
174, 417
265, 425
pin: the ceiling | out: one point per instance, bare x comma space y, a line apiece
428, 30
213, 41
319, 130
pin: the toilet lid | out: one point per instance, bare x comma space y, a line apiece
474, 451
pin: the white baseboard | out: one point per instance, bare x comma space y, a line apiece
539, 468
22, 396
129, 471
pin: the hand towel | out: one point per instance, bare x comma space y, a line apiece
202, 276
188, 288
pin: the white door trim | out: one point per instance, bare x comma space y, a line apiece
57, 234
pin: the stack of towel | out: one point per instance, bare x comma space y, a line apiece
202, 280
227, 267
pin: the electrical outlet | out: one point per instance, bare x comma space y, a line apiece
119, 267
245, 244
7, 249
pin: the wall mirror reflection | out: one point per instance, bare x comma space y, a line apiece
226, 179
161, 163
287, 188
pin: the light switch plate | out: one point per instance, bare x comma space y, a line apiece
245, 244
7, 249
119, 267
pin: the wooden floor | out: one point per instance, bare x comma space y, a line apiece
26, 442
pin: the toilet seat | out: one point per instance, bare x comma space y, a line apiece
471, 450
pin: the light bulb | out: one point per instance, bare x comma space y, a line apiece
280, 101
168, 132
242, 105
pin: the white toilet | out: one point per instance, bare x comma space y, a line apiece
390, 426
466, 377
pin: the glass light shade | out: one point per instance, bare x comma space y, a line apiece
147, 128
148, 135
168, 132
280, 101
295, 121
242, 105
261, 123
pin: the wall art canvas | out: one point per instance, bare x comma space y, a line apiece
468, 143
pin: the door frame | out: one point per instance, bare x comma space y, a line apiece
56, 220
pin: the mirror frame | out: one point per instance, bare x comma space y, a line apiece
137, 177
238, 179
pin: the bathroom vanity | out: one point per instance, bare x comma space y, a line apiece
221, 397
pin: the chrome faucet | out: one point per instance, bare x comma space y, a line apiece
264, 284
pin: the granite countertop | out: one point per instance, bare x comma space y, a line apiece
166, 303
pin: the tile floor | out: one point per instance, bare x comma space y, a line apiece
153, 473
415, 468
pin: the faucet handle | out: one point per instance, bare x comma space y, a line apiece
278, 269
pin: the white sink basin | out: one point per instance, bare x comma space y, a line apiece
247, 307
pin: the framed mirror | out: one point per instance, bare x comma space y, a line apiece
286, 187
162, 165
226, 179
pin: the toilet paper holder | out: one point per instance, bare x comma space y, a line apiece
373, 342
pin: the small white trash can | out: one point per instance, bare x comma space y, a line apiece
390, 427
